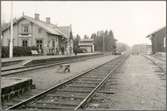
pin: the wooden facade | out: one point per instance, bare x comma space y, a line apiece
49, 38
158, 40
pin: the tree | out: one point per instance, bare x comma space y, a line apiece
109, 41
93, 36
86, 37
76, 43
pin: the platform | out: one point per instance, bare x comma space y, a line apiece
14, 86
15, 62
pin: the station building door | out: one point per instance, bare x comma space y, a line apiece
39, 44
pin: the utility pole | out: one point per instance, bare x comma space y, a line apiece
11, 32
103, 44
0, 72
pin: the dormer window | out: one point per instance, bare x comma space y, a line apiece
25, 28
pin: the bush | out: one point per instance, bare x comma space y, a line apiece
4, 52
18, 51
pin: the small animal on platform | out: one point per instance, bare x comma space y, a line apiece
64, 68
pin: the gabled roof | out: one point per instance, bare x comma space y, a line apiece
163, 29
7, 25
66, 30
50, 28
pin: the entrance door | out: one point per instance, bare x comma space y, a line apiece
25, 43
39, 44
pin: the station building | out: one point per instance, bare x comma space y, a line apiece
141, 49
87, 44
158, 40
47, 37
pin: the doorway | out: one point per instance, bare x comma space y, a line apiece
39, 44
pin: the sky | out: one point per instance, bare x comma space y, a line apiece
130, 21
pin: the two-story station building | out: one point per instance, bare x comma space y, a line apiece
49, 38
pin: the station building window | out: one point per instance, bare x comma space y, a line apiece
53, 43
39, 44
25, 28
25, 43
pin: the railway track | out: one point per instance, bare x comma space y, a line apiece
46, 65
72, 94
155, 63
159, 58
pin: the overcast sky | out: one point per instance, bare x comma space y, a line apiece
130, 21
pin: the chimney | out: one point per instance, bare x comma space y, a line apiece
48, 20
36, 16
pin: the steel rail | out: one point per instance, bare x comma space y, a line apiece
57, 85
87, 98
155, 63
159, 58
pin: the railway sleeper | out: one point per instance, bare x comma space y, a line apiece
82, 86
60, 98
57, 102
41, 107
71, 97
67, 93
91, 76
87, 82
78, 88
86, 79
74, 91
94, 77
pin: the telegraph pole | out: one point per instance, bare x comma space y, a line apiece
103, 44
0, 72
11, 32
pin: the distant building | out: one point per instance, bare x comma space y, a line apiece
49, 38
141, 49
87, 44
158, 40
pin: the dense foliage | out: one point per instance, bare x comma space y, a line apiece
17, 51
76, 43
99, 38
107, 38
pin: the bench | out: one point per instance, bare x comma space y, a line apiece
64, 68
34, 52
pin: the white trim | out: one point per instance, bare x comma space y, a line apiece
29, 35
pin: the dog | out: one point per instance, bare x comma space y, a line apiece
64, 68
